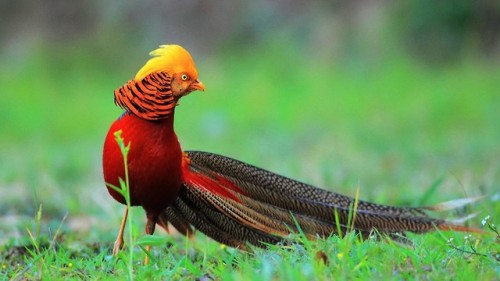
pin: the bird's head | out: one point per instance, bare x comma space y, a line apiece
156, 89
178, 64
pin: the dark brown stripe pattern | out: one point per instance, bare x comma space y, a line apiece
270, 207
150, 99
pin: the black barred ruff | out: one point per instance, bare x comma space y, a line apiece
151, 98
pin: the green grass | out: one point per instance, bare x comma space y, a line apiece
393, 128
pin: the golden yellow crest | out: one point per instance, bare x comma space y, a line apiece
170, 59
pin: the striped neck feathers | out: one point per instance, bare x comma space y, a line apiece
150, 98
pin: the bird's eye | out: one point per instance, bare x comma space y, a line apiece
184, 77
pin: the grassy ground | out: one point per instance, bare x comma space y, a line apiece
403, 133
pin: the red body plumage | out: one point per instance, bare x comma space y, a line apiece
154, 162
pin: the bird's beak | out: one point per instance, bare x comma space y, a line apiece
197, 85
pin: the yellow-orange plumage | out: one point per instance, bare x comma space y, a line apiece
170, 59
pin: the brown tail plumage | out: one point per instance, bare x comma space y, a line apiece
236, 203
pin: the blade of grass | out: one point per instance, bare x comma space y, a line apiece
124, 186
424, 199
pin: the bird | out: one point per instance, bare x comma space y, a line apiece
230, 201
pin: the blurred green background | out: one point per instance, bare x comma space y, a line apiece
392, 97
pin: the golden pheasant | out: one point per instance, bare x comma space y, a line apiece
228, 200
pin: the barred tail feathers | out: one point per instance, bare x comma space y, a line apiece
236, 203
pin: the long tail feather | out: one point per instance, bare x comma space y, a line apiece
173, 216
216, 224
454, 204
236, 203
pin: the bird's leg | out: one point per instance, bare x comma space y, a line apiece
119, 239
150, 229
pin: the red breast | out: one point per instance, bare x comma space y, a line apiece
154, 161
